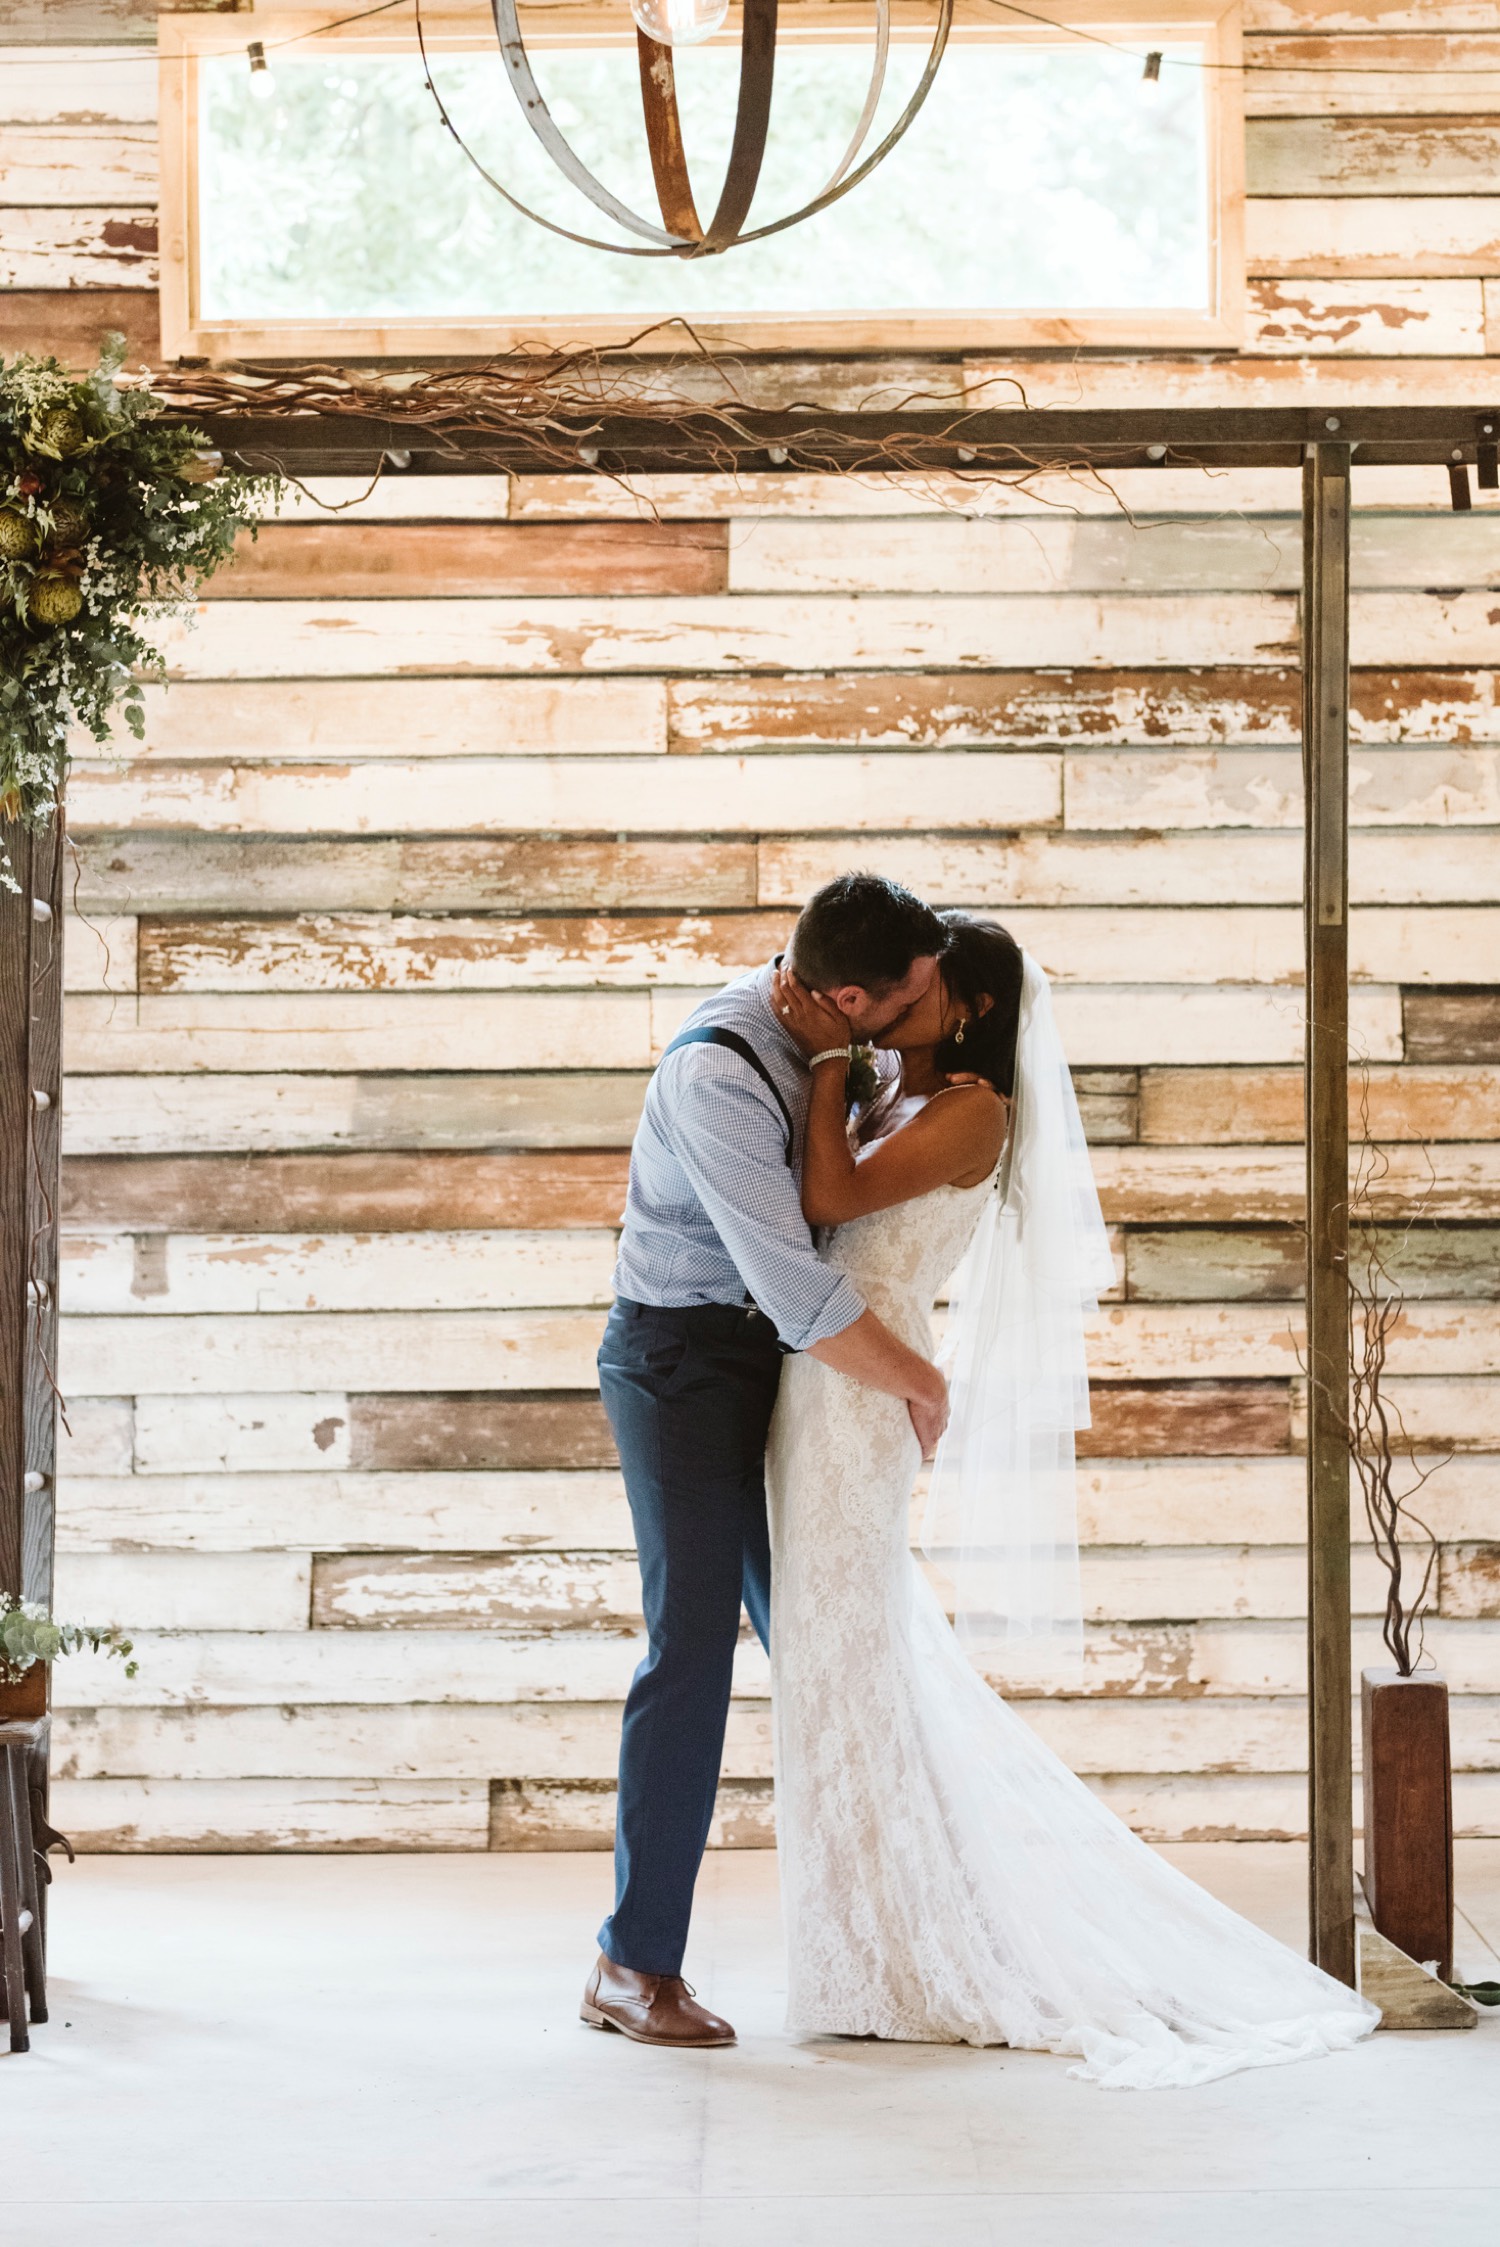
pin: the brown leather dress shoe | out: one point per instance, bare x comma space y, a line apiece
650, 2009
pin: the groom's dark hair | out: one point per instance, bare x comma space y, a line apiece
862, 929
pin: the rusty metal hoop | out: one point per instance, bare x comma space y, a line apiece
682, 233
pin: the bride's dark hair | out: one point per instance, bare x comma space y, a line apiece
982, 960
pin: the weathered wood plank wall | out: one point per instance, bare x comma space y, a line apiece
460, 799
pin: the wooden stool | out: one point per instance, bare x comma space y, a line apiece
22, 1953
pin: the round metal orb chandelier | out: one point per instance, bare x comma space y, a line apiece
662, 25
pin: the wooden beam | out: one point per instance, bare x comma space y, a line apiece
735, 437
1325, 757
30, 1058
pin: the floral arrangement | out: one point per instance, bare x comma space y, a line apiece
861, 1082
109, 516
29, 1635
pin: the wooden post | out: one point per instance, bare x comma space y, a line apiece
30, 1064
1325, 765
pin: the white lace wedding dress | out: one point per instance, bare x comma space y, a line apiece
946, 1879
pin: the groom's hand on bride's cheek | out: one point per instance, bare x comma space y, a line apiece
812, 1021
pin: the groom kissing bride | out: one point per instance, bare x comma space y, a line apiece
768, 1373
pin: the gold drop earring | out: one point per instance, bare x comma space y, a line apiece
958, 1035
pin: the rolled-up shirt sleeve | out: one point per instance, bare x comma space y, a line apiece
731, 1142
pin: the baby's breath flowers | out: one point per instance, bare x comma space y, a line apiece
109, 517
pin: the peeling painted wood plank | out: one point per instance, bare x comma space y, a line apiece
1174, 1185
240, 1272
255, 1591
1099, 945
1265, 1264
1469, 1581
649, 795
556, 1681
1214, 1107
345, 1192
1453, 1025
97, 1437
542, 1814
768, 632
302, 561
258, 1434
1374, 235
71, 324
176, 1816
100, 247
277, 1114
482, 1433
1416, 156
207, 873
1259, 1501
1254, 1500
531, 1593
1125, 708
278, 1032
327, 721
66, 84
1367, 15
1149, 791
1255, 1341
404, 495
440, 1511
1434, 74
510, 1350
1420, 319
391, 1350
1145, 493
353, 952
1135, 1025
1438, 1414
1243, 866
62, 163
194, 875
1024, 558
1319, 379
99, 954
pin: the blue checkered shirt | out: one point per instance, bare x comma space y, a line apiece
714, 1212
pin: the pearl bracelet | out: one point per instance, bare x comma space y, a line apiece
832, 1053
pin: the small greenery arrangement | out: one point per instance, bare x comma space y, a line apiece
29, 1635
861, 1082
109, 517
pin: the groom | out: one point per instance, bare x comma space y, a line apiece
717, 1278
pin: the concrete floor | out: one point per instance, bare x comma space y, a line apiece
324, 2051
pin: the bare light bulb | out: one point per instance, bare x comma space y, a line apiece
262, 84
679, 23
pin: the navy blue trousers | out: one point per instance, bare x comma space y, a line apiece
689, 1395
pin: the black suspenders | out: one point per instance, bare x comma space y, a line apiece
710, 1033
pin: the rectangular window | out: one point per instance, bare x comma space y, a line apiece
1049, 193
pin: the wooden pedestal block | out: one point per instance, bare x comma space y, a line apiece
1408, 1811
23, 1693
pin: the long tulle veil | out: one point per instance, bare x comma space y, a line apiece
1000, 1520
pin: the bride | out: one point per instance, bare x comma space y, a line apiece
946, 1878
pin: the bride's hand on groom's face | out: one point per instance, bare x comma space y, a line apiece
814, 1023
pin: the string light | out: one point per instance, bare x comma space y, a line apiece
262, 84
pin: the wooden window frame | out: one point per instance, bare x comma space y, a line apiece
455, 28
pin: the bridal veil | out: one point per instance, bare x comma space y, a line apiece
1000, 1519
